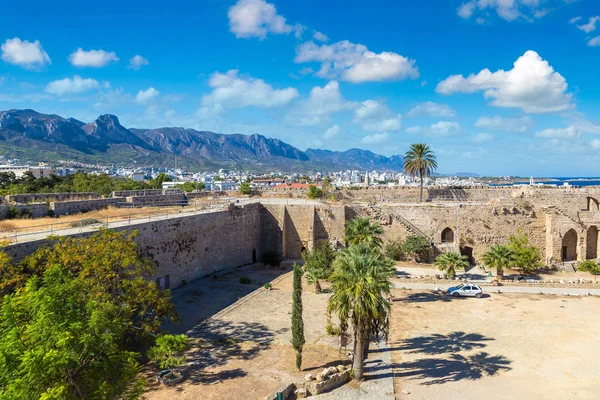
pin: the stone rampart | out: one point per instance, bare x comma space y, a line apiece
80, 206
49, 197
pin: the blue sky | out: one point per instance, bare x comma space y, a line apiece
499, 87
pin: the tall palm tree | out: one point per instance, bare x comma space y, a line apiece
360, 281
450, 262
420, 161
499, 257
361, 231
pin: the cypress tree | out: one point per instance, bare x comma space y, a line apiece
297, 322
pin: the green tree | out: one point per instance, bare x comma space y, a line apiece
417, 246
394, 250
318, 265
591, 267
58, 340
168, 351
420, 161
245, 188
362, 231
450, 262
314, 192
191, 186
499, 257
360, 281
113, 270
297, 320
527, 257
157, 182
326, 183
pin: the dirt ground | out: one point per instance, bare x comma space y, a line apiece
498, 347
244, 351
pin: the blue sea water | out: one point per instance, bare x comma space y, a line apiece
572, 181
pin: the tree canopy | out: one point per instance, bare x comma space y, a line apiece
420, 161
362, 231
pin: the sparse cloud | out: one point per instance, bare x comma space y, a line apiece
531, 85
92, 58
441, 128
145, 96
374, 116
508, 10
256, 18
25, 54
232, 90
355, 63
73, 85
497, 123
590, 26
431, 109
333, 132
482, 137
137, 62
321, 103
376, 138
321, 37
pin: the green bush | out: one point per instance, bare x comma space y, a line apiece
85, 222
25, 213
271, 258
314, 192
268, 286
168, 351
394, 251
245, 280
417, 246
333, 330
13, 212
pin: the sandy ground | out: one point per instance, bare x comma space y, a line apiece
244, 352
505, 346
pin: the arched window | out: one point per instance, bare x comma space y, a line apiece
447, 236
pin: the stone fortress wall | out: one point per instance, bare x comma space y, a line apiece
562, 222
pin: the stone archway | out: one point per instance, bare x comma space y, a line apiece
593, 204
448, 235
569, 246
592, 243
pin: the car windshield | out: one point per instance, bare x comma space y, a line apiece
459, 286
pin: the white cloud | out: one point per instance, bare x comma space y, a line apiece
256, 18
498, 123
508, 10
374, 116
431, 109
482, 137
144, 96
320, 104
531, 85
558, 133
590, 26
24, 54
321, 37
376, 138
73, 85
594, 42
333, 132
355, 63
92, 58
136, 62
575, 19
231, 90
595, 144
441, 128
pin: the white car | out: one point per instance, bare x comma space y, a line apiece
465, 290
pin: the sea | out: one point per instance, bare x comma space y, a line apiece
571, 181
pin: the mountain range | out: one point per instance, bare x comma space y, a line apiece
32, 136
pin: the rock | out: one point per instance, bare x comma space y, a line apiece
341, 368
561, 281
308, 377
301, 393
320, 377
404, 391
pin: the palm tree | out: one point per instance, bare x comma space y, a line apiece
360, 281
361, 231
499, 257
450, 262
419, 160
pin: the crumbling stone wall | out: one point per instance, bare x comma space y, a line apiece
78, 206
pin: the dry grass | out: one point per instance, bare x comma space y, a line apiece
112, 213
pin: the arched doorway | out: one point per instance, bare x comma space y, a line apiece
592, 243
569, 246
593, 204
468, 251
447, 236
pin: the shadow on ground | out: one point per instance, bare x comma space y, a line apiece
455, 366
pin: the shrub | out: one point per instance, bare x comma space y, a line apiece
272, 258
394, 251
268, 286
417, 246
13, 212
245, 280
314, 192
168, 351
85, 222
333, 330
25, 213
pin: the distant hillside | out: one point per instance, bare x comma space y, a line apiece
33, 136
